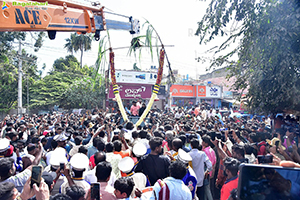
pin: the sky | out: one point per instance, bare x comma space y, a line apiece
175, 22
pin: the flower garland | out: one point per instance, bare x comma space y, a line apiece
115, 85
154, 91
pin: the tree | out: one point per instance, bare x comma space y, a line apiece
9, 77
268, 49
49, 90
67, 85
69, 43
85, 93
79, 42
9, 61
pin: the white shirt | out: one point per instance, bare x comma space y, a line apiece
198, 160
20, 179
114, 160
140, 181
48, 156
178, 115
178, 190
203, 114
90, 176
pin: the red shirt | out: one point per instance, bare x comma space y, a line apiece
228, 186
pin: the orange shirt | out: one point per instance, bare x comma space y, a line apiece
123, 154
228, 186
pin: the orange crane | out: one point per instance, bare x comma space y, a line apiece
58, 15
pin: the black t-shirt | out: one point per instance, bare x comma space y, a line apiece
154, 167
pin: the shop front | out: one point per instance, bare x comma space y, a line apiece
183, 95
191, 95
210, 95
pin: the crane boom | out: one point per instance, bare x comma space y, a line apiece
58, 15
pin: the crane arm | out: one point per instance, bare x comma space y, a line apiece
57, 15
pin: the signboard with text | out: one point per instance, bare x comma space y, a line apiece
182, 90
132, 91
213, 92
201, 90
136, 77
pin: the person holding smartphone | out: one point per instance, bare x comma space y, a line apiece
231, 173
103, 172
79, 163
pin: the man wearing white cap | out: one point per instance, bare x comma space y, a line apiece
61, 140
138, 150
79, 163
190, 178
126, 165
57, 158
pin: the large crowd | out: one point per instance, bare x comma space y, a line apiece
175, 154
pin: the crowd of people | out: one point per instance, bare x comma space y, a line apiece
176, 154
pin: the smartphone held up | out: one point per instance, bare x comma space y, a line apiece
36, 176
268, 182
95, 191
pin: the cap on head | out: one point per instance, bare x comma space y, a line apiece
79, 162
4, 145
60, 138
58, 156
139, 149
184, 156
126, 164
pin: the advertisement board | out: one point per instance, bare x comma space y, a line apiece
213, 92
201, 90
132, 91
136, 77
182, 90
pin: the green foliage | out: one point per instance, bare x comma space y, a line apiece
268, 49
84, 93
67, 85
8, 84
9, 77
79, 43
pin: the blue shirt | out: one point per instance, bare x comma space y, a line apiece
91, 151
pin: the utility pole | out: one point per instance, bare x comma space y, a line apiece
20, 80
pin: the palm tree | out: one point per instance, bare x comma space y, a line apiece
78, 42
69, 45
82, 43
